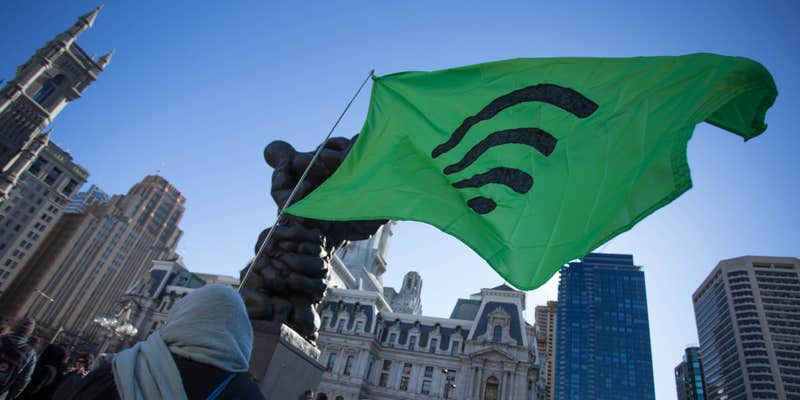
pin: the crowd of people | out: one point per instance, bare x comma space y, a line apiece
202, 352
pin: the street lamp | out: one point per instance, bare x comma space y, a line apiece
448, 382
117, 326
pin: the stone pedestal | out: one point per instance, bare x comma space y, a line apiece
283, 364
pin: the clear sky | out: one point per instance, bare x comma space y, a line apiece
196, 89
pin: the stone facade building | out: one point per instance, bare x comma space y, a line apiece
56, 74
748, 322
546, 317
375, 343
32, 208
90, 259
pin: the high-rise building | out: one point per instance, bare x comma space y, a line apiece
56, 74
90, 259
748, 320
602, 331
689, 376
34, 205
545, 318
85, 199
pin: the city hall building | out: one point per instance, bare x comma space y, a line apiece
376, 344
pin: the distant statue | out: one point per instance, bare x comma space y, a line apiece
290, 277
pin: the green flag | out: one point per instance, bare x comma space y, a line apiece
535, 162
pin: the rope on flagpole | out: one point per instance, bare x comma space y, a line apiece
299, 182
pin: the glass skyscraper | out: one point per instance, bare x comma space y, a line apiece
603, 333
689, 376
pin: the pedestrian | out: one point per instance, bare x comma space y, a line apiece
72, 380
102, 360
201, 352
307, 395
17, 359
47, 375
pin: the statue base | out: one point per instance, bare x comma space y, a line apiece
283, 364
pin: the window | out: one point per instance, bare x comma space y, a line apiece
348, 365
325, 322
331, 362
340, 326
426, 387
497, 336
455, 347
429, 372
383, 380
70, 187
412, 343
406, 377
359, 326
392, 338
48, 88
492, 391
52, 176
434, 344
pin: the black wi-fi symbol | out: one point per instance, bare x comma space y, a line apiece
518, 180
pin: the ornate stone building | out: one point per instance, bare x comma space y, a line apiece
56, 74
376, 344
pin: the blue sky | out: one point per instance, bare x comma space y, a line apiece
197, 89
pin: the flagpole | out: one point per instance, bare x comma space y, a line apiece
299, 182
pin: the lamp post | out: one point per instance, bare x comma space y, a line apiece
448, 382
52, 301
116, 326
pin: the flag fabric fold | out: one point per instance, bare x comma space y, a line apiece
535, 162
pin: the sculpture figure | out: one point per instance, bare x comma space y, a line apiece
290, 276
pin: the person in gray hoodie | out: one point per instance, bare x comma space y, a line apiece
17, 359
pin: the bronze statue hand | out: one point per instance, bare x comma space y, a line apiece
290, 277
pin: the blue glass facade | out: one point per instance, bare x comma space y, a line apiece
689, 376
602, 331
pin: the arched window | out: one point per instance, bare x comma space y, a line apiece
48, 88
331, 362
497, 335
348, 365
492, 391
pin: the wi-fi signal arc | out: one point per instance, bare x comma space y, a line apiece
540, 140
520, 181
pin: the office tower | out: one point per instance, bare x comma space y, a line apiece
56, 74
602, 331
34, 205
90, 259
546, 339
689, 376
748, 320
84, 199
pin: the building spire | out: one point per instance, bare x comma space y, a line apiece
103, 61
89, 17
83, 23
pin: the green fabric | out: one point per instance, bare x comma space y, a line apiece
607, 171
